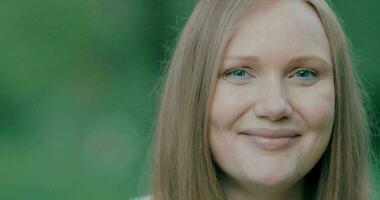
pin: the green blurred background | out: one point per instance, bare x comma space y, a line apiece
77, 90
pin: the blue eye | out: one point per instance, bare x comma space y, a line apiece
240, 74
305, 74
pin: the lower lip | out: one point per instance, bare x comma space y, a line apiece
271, 144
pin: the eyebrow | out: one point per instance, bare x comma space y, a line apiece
316, 60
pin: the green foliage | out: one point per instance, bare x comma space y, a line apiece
78, 96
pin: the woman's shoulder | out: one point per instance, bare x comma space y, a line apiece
143, 198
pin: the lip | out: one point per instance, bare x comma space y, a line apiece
271, 139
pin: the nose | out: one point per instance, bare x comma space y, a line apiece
273, 103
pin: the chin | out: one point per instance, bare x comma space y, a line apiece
272, 179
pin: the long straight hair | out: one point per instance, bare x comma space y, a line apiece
182, 163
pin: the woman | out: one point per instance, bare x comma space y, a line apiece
261, 102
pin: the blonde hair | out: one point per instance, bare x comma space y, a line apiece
183, 167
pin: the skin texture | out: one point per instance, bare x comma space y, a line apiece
277, 74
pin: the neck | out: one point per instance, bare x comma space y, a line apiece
236, 191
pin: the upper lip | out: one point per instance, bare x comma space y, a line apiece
271, 133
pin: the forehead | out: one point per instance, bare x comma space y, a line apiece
278, 31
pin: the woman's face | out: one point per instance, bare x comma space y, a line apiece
273, 106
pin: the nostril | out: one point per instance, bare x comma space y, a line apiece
273, 110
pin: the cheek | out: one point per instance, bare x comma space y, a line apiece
317, 107
221, 123
217, 142
223, 148
226, 106
226, 109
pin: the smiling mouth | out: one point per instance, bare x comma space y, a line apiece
271, 140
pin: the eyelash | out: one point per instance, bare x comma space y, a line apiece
313, 73
230, 72
309, 71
